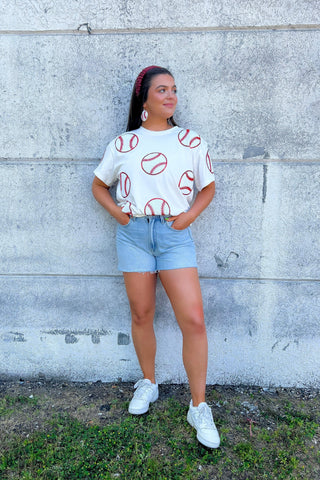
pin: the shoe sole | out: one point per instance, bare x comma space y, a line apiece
201, 439
141, 411
206, 443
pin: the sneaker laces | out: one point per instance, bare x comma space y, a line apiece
143, 390
204, 417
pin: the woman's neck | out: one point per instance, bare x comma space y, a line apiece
156, 126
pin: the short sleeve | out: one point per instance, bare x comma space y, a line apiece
202, 164
105, 170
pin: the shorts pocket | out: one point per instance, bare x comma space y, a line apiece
169, 225
126, 225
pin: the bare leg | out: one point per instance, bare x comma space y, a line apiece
183, 289
141, 291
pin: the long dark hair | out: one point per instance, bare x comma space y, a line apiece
140, 95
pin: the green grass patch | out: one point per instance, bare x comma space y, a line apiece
9, 404
162, 446
143, 447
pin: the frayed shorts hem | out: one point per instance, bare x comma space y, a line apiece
156, 271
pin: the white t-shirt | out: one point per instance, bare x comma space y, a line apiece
156, 170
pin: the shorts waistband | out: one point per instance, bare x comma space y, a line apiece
149, 218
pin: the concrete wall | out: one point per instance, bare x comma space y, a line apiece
248, 79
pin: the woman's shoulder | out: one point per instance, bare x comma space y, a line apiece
124, 142
128, 140
190, 138
130, 133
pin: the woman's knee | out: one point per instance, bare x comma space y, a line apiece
193, 324
142, 317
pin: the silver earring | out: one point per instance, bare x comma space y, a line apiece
144, 115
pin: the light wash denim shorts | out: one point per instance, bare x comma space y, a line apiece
150, 244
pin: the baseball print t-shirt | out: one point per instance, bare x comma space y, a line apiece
157, 171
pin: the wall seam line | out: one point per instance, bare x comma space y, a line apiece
128, 31
202, 277
91, 161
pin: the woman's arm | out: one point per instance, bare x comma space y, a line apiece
101, 193
201, 202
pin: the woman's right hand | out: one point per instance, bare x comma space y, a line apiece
123, 218
101, 193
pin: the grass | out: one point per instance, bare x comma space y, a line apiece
161, 446
8, 404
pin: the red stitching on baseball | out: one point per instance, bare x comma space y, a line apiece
209, 163
127, 205
163, 205
154, 168
130, 143
186, 182
182, 136
125, 184
121, 144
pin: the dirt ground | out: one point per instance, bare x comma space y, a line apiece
102, 403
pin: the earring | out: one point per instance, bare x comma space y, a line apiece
144, 115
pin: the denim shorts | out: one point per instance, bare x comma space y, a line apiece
150, 244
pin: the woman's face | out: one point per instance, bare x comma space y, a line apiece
162, 97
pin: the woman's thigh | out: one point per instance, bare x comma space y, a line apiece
183, 289
141, 292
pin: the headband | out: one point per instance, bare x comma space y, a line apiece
140, 78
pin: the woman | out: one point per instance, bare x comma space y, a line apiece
158, 166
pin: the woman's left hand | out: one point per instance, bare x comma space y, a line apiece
181, 221
202, 200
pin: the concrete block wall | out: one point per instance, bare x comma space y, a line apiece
248, 80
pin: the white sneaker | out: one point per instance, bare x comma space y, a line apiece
146, 393
200, 418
